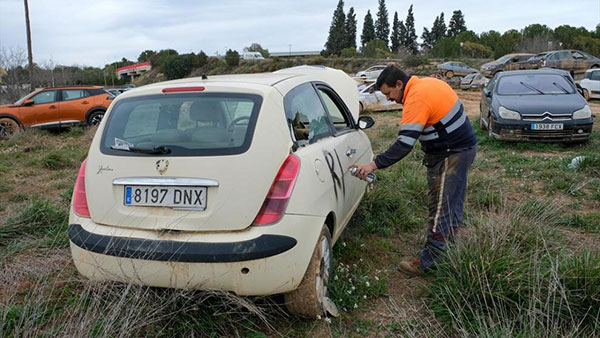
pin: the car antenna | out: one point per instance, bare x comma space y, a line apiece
204, 77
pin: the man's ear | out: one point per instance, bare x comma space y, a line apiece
399, 84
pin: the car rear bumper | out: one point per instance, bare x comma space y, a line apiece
523, 132
257, 261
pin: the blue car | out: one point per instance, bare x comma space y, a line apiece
535, 105
452, 68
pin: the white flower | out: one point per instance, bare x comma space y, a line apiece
328, 320
368, 284
376, 278
355, 306
343, 244
353, 288
364, 296
349, 292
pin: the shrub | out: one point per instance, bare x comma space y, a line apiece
348, 52
415, 60
232, 58
175, 66
475, 50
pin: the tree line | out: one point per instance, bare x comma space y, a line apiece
446, 41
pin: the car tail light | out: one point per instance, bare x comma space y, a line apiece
80, 205
183, 89
280, 192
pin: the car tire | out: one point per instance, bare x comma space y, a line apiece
586, 94
95, 118
490, 128
361, 108
449, 74
308, 299
8, 127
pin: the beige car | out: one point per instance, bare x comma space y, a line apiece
235, 182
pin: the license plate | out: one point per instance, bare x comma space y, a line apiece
161, 196
546, 126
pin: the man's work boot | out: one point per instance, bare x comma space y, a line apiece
413, 268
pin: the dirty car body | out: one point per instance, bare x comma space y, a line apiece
503, 63
535, 105
233, 182
452, 68
372, 99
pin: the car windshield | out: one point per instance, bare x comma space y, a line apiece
184, 124
469, 77
21, 100
503, 59
534, 84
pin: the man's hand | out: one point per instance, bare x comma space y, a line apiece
364, 169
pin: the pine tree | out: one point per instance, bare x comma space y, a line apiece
438, 30
395, 38
403, 33
337, 31
351, 29
382, 25
457, 24
427, 39
411, 35
368, 31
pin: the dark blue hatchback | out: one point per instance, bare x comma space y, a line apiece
535, 105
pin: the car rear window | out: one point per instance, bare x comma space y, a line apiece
535, 84
200, 124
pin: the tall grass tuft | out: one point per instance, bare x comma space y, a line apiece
38, 218
506, 279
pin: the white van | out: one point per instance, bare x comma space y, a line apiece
252, 56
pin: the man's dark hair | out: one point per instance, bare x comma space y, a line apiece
390, 75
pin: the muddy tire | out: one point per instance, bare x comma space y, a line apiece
449, 74
586, 94
8, 127
95, 118
307, 299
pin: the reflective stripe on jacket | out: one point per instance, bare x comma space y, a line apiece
433, 114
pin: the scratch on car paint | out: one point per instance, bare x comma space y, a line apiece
334, 176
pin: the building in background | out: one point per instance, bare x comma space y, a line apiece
133, 70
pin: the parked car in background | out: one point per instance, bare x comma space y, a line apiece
473, 81
535, 105
452, 68
491, 68
574, 61
235, 182
371, 72
114, 92
55, 107
252, 56
371, 99
128, 86
590, 84
533, 62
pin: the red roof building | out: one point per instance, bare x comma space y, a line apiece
133, 70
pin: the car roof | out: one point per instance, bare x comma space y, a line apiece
533, 71
72, 87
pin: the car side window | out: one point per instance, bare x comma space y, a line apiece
564, 55
336, 109
577, 55
73, 94
45, 97
596, 75
305, 114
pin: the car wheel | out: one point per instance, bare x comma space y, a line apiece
95, 118
449, 74
8, 127
361, 108
308, 300
586, 94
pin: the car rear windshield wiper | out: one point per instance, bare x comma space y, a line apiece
531, 87
142, 150
561, 87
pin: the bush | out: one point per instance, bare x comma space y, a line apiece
176, 66
315, 60
348, 52
415, 60
376, 49
232, 58
475, 50
446, 48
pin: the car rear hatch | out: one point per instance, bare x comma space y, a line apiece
185, 161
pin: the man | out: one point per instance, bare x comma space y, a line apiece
433, 114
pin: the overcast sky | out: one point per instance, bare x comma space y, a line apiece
97, 32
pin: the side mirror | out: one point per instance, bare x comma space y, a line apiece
28, 103
486, 92
365, 122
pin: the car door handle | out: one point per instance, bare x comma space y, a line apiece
84, 102
52, 107
350, 152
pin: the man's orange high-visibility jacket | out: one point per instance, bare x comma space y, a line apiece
433, 114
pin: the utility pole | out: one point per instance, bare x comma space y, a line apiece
29, 46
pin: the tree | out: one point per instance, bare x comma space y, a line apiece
337, 31
403, 33
163, 54
456, 24
468, 35
411, 36
536, 30
427, 38
382, 25
566, 35
446, 48
376, 49
395, 38
175, 66
508, 43
351, 25
256, 47
368, 31
475, 50
438, 31
490, 39
202, 59
232, 58
146, 55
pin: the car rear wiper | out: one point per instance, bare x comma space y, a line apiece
531, 87
561, 87
142, 150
